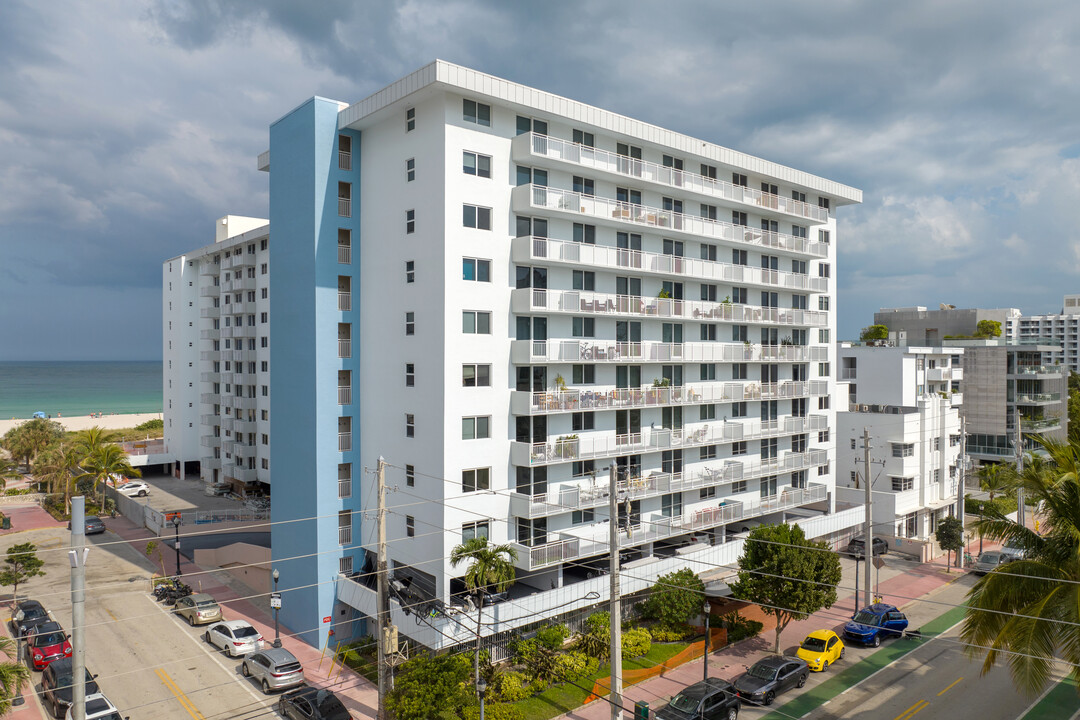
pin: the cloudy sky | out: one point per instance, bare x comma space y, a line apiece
127, 127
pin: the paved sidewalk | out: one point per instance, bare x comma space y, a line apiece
913, 581
357, 694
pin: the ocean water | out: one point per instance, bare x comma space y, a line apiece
79, 388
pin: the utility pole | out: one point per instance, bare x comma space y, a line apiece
382, 592
615, 605
1020, 511
868, 531
77, 558
962, 486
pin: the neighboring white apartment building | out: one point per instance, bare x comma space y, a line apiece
216, 304
884, 374
915, 467
1057, 329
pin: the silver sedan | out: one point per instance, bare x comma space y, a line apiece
235, 637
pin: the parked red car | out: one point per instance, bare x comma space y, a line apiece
47, 643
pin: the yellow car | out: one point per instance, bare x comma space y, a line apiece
820, 649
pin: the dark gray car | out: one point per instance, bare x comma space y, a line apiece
769, 677
57, 686
990, 560
712, 699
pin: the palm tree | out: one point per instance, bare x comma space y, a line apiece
9, 470
491, 568
996, 479
14, 675
92, 439
57, 466
1026, 612
104, 463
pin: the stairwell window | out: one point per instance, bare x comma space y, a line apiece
410, 374
475, 112
410, 526
410, 476
476, 428
410, 271
410, 323
410, 222
410, 425
474, 216
410, 169
410, 119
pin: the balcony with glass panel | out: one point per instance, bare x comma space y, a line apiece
529, 199
611, 398
569, 448
584, 302
587, 492
579, 350
593, 540
528, 148
602, 257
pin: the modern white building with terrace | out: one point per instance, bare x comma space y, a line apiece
1057, 329
517, 291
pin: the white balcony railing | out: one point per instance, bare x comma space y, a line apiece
548, 250
344, 348
344, 395
344, 160
576, 350
525, 300
587, 492
534, 403
847, 373
528, 198
344, 207
344, 441
344, 254
607, 161
601, 445
344, 301
344, 535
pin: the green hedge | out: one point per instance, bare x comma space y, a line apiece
1003, 505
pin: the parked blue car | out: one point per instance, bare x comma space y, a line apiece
871, 624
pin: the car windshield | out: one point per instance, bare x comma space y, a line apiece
53, 638
33, 613
762, 672
246, 632
989, 557
65, 680
813, 644
684, 703
204, 604
332, 709
867, 618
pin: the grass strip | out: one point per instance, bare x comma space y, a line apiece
892, 651
1061, 702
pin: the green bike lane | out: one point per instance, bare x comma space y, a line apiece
1061, 701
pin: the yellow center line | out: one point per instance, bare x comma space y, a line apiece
180, 696
115, 619
910, 712
950, 687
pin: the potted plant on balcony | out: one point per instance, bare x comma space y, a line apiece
566, 446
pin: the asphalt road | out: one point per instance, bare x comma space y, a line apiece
150, 664
937, 681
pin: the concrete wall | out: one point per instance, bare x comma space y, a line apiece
250, 564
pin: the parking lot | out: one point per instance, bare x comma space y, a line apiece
169, 494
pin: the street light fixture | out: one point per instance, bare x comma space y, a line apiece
277, 604
176, 521
705, 655
481, 687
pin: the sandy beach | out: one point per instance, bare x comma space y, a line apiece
82, 422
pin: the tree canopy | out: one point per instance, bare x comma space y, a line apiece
950, 535
874, 332
26, 440
676, 597
988, 329
20, 564
14, 675
426, 686
788, 575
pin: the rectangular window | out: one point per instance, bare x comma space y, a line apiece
410, 119
823, 402
410, 271
584, 280
344, 482
798, 196
739, 179
903, 450
707, 371
738, 448
900, 484
738, 486
823, 370
474, 530
476, 323
580, 517
671, 505
584, 185
410, 476
823, 236
476, 479
475, 270
474, 112
410, 526
738, 218
410, 169
584, 327
823, 436
739, 371
823, 270
475, 428
708, 171
583, 374
476, 376
410, 323
476, 164
410, 375
410, 425
823, 335
584, 138
585, 233
708, 252
583, 421
823, 202
706, 493
708, 212
708, 452
708, 412
474, 216
410, 222
823, 302
768, 448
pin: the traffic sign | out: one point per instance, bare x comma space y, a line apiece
326, 619
275, 601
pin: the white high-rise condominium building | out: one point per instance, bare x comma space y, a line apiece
503, 292
1057, 329
216, 304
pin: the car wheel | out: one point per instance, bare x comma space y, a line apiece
876, 642
206, 637
769, 697
244, 670
842, 653
190, 620
802, 678
824, 667
142, 493
732, 713
265, 687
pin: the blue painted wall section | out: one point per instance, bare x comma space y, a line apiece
304, 454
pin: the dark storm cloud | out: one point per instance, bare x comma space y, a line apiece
127, 127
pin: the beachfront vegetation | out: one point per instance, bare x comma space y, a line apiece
1025, 613
26, 441
104, 463
20, 564
14, 675
789, 576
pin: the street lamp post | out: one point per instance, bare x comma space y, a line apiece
705, 656
176, 520
481, 687
277, 635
